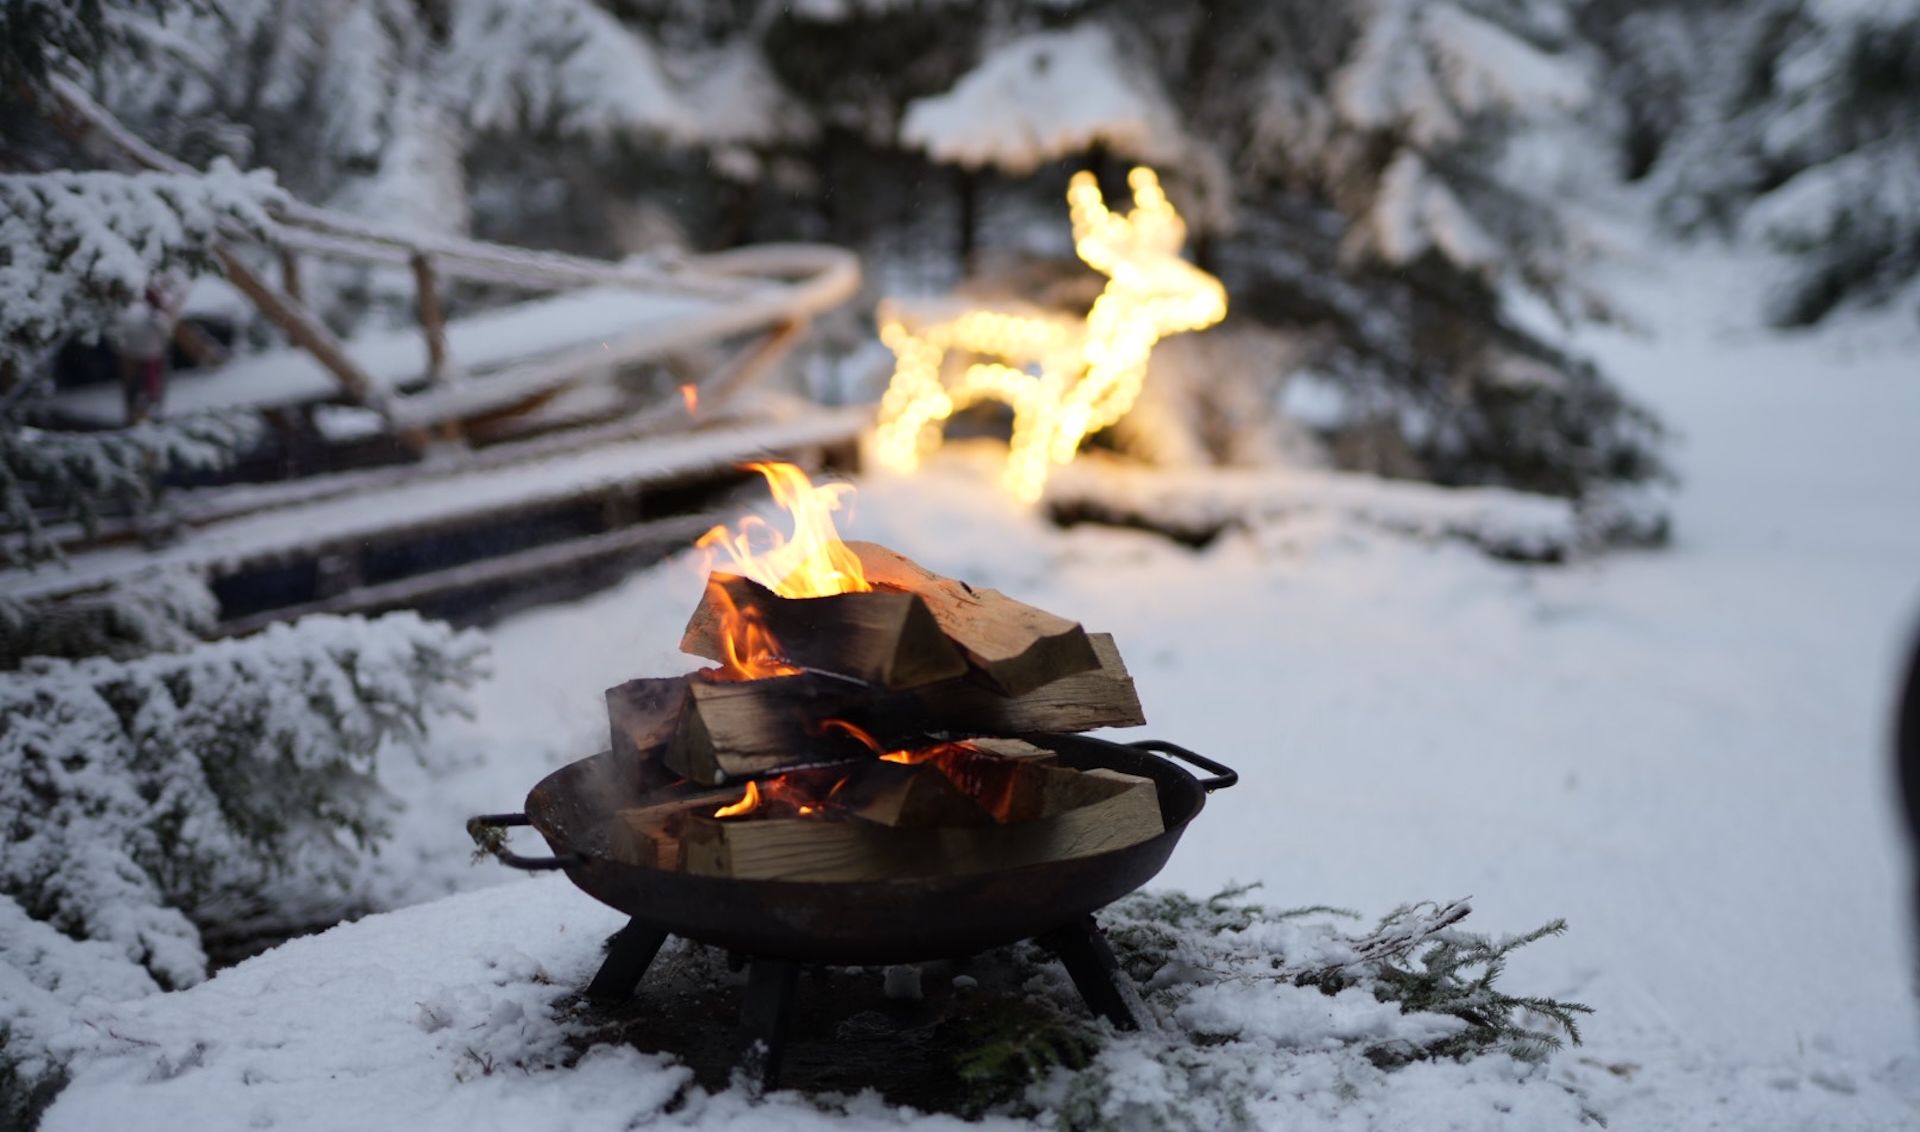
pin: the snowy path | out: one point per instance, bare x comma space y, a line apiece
1681, 752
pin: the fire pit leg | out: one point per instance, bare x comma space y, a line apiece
763, 1019
629, 953
1096, 973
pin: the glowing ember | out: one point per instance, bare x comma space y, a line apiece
1089, 372
691, 395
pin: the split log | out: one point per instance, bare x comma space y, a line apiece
642, 717
886, 638
1014, 646
909, 797
1103, 696
747, 728
804, 849
754, 727
650, 836
850, 851
1018, 750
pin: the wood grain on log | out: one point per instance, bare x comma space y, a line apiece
1127, 813
1014, 646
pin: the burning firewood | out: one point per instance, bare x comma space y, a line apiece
847, 678
651, 835
1088, 813
910, 797
884, 637
892, 635
1016, 647
735, 729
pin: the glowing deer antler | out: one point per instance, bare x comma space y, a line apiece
1064, 378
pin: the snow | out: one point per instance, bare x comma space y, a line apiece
1683, 752
1043, 97
1197, 500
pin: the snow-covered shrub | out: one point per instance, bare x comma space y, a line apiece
135, 794
76, 250
80, 247
81, 476
1237, 988
159, 610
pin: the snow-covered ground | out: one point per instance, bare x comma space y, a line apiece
1683, 752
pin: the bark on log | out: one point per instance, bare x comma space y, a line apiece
888, 639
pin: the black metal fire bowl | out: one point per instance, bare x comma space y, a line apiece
783, 924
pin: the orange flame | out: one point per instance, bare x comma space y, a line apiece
989, 779
748, 802
803, 793
812, 562
691, 395
809, 562
752, 651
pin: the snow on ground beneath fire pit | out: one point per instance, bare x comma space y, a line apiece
1682, 752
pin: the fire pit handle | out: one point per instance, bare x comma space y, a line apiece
1223, 776
485, 831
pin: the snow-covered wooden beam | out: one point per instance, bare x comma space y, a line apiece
1197, 508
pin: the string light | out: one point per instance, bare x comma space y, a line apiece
1064, 378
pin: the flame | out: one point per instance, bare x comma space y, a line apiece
691, 395
805, 793
811, 561
749, 802
752, 653
988, 779
1089, 372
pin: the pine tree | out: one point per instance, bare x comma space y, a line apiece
1790, 122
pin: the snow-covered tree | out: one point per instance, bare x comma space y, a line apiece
1840, 135
77, 250
1792, 122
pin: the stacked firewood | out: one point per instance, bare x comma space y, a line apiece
889, 743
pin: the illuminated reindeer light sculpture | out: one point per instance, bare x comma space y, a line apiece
1065, 378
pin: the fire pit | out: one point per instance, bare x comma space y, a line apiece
872, 776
